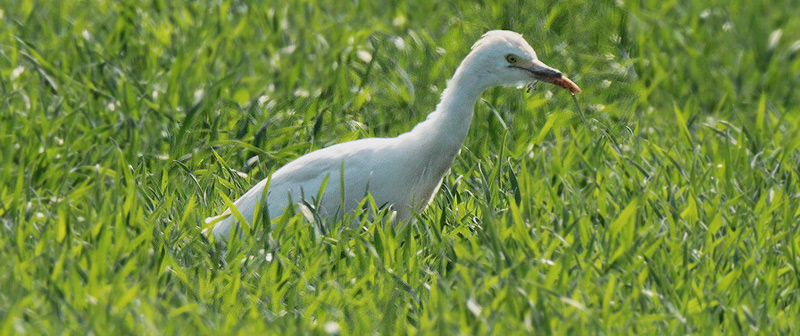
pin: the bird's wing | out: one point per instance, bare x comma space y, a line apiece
306, 174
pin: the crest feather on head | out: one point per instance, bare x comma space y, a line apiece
498, 35
503, 37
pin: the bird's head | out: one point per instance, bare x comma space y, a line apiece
506, 59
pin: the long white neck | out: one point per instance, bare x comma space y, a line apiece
448, 125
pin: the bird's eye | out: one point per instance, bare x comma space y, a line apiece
511, 58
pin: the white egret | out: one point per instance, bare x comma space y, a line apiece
406, 171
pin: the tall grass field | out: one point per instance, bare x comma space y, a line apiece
666, 201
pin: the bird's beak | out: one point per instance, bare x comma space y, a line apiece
545, 73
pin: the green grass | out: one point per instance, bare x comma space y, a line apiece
671, 207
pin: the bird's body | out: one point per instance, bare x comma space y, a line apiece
404, 172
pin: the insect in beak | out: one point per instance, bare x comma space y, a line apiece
532, 87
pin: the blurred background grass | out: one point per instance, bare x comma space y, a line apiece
672, 208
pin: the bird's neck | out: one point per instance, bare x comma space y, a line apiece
448, 125
438, 140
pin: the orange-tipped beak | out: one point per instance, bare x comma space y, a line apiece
564, 82
544, 72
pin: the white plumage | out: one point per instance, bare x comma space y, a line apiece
406, 171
